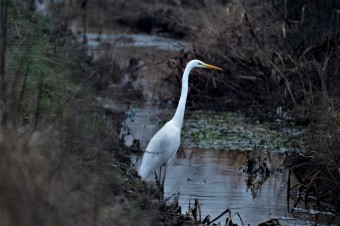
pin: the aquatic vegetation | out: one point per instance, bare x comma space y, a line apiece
229, 131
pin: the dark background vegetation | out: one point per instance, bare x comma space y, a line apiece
61, 162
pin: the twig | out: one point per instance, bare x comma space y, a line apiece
23, 88
286, 81
38, 102
304, 52
224, 212
288, 189
334, 179
324, 77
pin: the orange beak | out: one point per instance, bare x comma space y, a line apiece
212, 67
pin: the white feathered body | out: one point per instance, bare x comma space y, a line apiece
165, 143
161, 149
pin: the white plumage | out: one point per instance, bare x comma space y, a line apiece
161, 148
165, 143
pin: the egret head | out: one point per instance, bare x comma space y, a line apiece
198, 63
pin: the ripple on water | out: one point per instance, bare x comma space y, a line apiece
215, 179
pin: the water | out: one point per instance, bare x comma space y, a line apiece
215, 175
99, 45
215, 178
134, 40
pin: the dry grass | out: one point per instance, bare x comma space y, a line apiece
318, 167
273, 54
38, 187
61, 161
72, 173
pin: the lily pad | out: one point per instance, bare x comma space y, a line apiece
230, 131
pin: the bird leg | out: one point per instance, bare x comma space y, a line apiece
163, 179
157, 179
160, 175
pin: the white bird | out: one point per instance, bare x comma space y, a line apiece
165, 143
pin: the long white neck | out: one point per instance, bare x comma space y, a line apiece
179, 115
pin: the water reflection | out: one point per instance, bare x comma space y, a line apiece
217, 179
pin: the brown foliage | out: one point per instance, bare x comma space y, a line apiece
273, 54
36, 187
318, 167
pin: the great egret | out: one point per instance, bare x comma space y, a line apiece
165, 143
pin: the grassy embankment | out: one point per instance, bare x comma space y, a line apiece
61, 161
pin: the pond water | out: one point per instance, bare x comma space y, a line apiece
215, 174
215, 178
134, 40
100, 44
